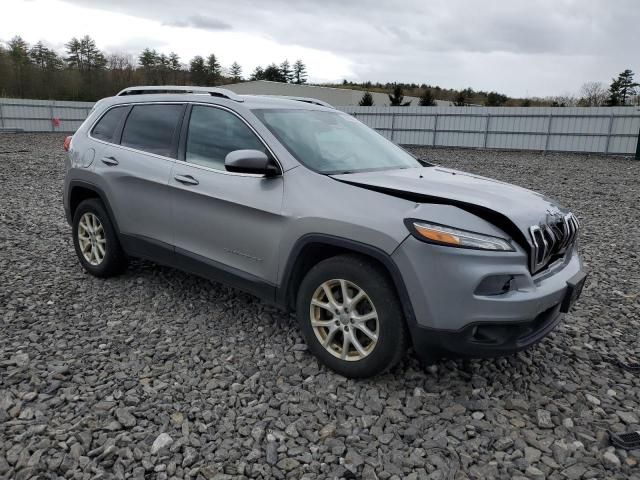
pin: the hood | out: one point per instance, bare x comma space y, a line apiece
499, 202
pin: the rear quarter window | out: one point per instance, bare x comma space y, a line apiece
152, 128
107, 126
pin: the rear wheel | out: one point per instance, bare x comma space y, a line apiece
95, 240
350, 316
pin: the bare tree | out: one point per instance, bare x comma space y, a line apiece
593, 94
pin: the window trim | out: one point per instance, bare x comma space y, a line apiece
182, 148
117, 132
182, 132
123, 121
176, 133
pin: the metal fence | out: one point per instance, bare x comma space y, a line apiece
605, 130
42, 115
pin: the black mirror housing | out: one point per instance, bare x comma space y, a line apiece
250, 161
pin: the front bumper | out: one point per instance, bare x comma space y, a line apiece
452, 318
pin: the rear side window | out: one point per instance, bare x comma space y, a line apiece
151, 128
106, 127
213, 133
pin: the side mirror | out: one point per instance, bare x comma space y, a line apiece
250, 161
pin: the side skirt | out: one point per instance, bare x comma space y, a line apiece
164, 254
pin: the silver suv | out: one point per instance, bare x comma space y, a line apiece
306, 207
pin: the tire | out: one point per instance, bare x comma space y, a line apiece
329, 325
108, 261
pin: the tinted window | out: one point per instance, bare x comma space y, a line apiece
213, 133
106, 127
151, 128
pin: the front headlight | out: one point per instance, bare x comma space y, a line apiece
455, 237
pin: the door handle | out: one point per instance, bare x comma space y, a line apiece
186, 179
111, 161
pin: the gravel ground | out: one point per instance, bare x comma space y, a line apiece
159, 374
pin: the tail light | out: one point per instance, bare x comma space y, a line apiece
67, 143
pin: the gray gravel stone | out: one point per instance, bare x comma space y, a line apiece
93, 370
162, 441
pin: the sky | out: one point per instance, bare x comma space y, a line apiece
517, 47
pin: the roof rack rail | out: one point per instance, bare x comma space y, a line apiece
159, 89
313, 101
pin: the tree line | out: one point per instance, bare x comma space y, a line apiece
84, 72
87, 73
623, 91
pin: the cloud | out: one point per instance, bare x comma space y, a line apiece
199, 21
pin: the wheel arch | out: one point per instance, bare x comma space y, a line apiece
80, 190
313, 248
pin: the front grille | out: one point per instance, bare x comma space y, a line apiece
551, 240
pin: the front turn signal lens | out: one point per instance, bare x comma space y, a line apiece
454, 237
437, 235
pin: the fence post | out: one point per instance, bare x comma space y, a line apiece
435, 130
53, 128
393, 123
638, 146
606, 147
486, 130
1, 117
546, 142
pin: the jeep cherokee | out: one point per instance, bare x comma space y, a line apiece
306, 207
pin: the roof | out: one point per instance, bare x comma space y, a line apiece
214, 95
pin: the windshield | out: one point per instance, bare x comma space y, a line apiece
333, 142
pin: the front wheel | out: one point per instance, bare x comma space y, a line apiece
350, 316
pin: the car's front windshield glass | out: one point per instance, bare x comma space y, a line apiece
333, 142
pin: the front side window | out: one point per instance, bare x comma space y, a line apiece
106, 127
333, 142
151, 128
213, 133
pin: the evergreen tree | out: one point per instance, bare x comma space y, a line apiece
614, 93
174, 62
84, 55
198, 70
258, 74
366, 100
273, 74
299, 72
44, 58
286, 72
627, 86
149, 60
397, 97
461, 100
495, 99
174, 66
213, 69
19, 56
427, 99
163, 68
235, 72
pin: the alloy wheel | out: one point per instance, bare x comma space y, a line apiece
344, 319
91, 237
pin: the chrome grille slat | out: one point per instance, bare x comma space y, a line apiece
552, 239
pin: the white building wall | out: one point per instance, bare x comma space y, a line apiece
338, 97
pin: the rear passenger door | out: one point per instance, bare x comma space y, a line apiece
228, 223
135, 166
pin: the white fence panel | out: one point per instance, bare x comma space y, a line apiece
42, 115
608, 130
